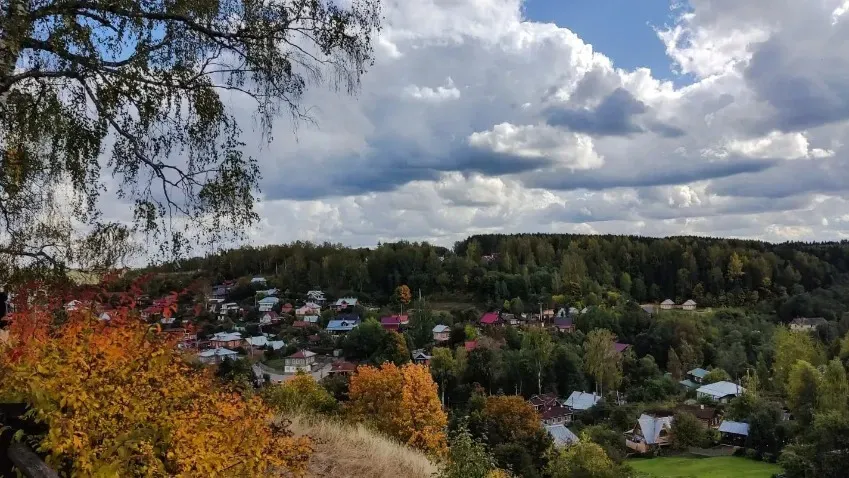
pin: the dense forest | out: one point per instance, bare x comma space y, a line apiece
790, 278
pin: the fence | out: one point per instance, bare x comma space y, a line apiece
17, 455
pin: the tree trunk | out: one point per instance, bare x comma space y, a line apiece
539, 380
443, 392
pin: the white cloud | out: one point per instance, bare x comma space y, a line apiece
475, 119
540, 141
440, 93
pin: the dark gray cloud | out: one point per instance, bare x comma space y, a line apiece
805, 79
392, 164
663, 174
791, 178
616, 115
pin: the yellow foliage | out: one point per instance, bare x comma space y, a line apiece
511, 416
301, 394
120, 401
401, 402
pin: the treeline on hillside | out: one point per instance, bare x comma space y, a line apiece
539, 267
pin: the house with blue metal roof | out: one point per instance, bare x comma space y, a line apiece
342, 326
562, 436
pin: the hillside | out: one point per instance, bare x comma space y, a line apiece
551, 268
356, 452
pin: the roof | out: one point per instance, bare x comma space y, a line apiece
226, 336
562, 435
440, 328
269, 300
563, 322
471, 345
698, 372
218, 352
302, 354
652, 426
689, 302
489, 318
541, 400
582, 400
689, 383
313, 319
721, 389
394, 319
649, 308
735, 428
347, 301
271, 314
342, 325
258, 279
620, 347
556, 410
260, 341
343, 366
420, 354
667, 302
809, 321
276, 344
300, 324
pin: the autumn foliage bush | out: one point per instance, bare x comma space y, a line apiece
120, 400
401, 402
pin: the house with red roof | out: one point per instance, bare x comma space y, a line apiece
564, 324
269, 317
302, 360
287, 308
342, 367
471, 345
300, 324
490, 318
620, 347
394, 322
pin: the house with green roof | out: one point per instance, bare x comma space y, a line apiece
695, 378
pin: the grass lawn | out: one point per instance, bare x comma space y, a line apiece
278, 364
717, 467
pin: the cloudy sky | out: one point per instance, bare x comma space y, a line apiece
708, 117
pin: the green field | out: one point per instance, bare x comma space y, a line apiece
718, 467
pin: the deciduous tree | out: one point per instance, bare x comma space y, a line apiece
584, 459
442, 366
401, 402
538, 348
120, 400
601, 359
301, 394
146, 79
789, 348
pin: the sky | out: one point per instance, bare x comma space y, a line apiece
709, 117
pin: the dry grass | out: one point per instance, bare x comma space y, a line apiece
354, 451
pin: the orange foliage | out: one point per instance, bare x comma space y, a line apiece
511, 416
121, 401
401, 402
403, 293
